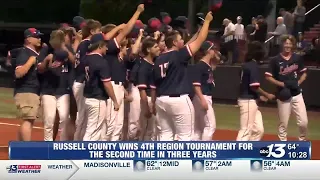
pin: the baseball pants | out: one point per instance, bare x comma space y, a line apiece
115, 119
148, 126
251, 124
205, 121
297, 105
50, 104
175, 116
81, 121
96, 111
134, 114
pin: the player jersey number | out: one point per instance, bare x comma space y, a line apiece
87, 72
163, 69
64, 69
77, 61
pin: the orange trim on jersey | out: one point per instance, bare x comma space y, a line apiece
87, 39
18, 67
106, 80
32, 50
304, 69
268, 74
142, 86
255, 84
115, 41
189, 50
153, 87
196, 84
94, 53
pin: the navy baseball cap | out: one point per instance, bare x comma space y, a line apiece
32, 32
206, 46
96, 38
78, 22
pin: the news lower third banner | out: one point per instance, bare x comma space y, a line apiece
211, 150
159, 169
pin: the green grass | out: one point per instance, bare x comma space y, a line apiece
7, 106
227, 117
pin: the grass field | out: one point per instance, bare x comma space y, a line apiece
227, 117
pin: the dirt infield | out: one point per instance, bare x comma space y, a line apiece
9, 129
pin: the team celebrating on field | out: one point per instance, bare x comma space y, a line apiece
111, 83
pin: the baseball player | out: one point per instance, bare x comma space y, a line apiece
55, 91
287, 71
251, 125
92, 27
117, 50
150, 50
70, 33
27, 87
98, 89
203, 82
134, 105
173, 105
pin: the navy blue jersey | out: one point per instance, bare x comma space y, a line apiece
170, 73
144, 75
118, 65
71, 68
79, 64
29, 83
203, 77
55, 81
284, 70
249, 78
97, 71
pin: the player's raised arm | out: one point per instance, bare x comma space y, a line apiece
112, 33
195, 45
135, 47
130, 24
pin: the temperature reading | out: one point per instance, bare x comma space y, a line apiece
292, 146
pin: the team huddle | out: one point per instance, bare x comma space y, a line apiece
92, 80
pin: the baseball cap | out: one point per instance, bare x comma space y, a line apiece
96, 38
239, 17
78, 22
206, 46
165, 17
154, 23
32, 32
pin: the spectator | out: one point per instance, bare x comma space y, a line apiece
278, 32
239, 29
229, 41
302, 45
288, 20
261, 29
250, 29
299, 17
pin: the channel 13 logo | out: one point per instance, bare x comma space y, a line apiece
12, 168
273, 151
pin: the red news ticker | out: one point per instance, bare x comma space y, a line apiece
29, 166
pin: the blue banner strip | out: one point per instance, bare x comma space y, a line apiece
218, 150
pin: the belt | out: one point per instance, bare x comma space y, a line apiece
175, 95
117, 82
